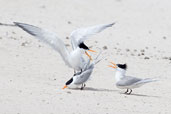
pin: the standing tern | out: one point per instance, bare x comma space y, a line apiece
127, 82
81, 78
74, 58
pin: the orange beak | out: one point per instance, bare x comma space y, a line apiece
64, 87
91, 50
89, 55
113, 65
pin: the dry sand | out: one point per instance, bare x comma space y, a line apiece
32, 74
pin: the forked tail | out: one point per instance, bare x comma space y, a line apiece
146, 80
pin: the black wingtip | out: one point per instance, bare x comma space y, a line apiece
25, 26
20, 24
110, 25
16, 23
113, 23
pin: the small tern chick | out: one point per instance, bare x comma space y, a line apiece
127, 82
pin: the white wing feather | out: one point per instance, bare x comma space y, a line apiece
80, 35
48, 37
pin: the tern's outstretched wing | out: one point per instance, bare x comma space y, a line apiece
47, 37
80, 35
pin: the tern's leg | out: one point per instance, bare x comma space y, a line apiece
126, 91
129, 92
82, 86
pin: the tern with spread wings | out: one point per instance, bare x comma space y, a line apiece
74, 58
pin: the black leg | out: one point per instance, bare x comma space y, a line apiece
126, 91
82, 86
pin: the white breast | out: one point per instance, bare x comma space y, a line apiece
75, 59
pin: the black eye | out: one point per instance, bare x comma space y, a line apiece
82, 45
122, 66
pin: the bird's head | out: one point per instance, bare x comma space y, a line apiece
118, 66
122, 66
68, 83
83, 47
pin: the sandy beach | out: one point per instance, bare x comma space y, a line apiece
32, 74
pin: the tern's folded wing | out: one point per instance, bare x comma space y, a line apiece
84, 76
128, 81
47, 37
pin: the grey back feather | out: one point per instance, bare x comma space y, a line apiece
127, 81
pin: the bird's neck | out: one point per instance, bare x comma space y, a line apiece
120, 73
79, 51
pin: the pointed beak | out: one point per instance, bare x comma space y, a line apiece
64, 87
88, 55
113, 65
91, 50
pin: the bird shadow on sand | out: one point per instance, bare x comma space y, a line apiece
110, 90
141, 95
96, 89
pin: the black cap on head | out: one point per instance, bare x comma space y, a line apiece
69, 81
122, 66
82, 45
